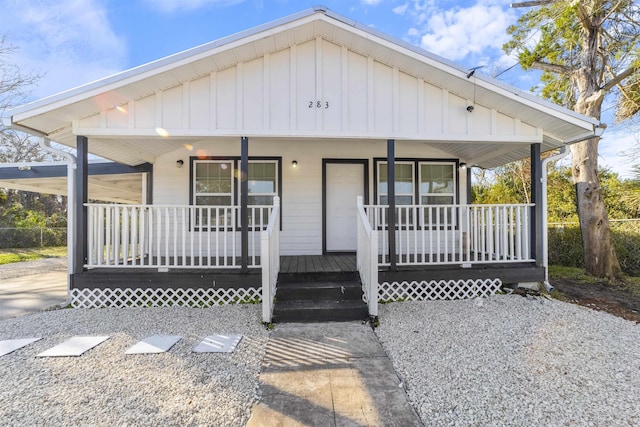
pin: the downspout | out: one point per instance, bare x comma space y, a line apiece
564, 152
71, 161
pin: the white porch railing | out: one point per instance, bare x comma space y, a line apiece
152, 236
367, 259
270, 241
455, 234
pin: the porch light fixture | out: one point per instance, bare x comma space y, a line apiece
179, 163
294, 164
463, 165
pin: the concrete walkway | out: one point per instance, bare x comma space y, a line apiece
32, 293
329, 374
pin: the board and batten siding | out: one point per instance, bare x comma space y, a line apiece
301, 186
316, 88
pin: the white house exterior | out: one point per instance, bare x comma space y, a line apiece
313, 111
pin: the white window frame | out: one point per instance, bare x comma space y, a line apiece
413, 181
231, 164
276, 183
455, 182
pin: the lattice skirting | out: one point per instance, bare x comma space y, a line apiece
437, 290
149, 297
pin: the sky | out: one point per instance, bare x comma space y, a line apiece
72, 42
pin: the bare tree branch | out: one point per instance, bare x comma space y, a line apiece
553, 68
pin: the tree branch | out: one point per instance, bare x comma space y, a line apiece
619, 78
553, 68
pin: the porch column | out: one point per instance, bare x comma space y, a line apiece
540, 205
244, 202
469, 186
391, 194
81, 197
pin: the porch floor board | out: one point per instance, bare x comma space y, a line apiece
332, 263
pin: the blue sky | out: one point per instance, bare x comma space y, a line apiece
72, 42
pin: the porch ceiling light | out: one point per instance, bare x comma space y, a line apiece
294, 163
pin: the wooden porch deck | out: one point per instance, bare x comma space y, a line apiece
332, 263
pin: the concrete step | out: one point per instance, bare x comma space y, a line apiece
319, 311
337, 276
319, 291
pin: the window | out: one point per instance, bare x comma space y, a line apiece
437, 183
420, 182
437, 187
404, 183
215, 183
263, 182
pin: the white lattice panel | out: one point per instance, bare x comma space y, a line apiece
149, 297
437, 290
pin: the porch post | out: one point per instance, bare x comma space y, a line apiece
81, 197
539, 204
391, 194
469, 186
244, 202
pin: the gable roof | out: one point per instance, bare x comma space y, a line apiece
56, 115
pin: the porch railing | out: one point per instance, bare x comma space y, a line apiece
367, 259
454, 234
153, 236
270, 250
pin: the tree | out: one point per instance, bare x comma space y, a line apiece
587, 50
20, 208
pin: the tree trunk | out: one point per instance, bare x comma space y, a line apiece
599, 254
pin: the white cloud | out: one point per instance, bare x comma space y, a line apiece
69, 42
458, 32
372, 2
615, 151
474, 33
400, 10
169, 6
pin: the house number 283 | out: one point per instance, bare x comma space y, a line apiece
319, 104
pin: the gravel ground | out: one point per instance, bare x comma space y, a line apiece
42, 265
510, 360
106, 387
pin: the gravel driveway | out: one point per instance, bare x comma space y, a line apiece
510, 360
105, 387
505, 360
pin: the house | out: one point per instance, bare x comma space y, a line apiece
287, 146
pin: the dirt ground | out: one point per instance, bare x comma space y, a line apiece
614, 299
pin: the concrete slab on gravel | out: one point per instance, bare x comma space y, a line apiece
75, 346
218, 344
9, 346
154, 344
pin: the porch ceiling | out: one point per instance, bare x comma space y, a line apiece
55, 115
117, 188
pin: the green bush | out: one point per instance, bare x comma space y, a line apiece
565, 245
32, 237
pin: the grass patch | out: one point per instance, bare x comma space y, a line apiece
572, 273
578, 275
8, 256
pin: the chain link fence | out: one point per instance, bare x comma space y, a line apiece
32, 237
565, 244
